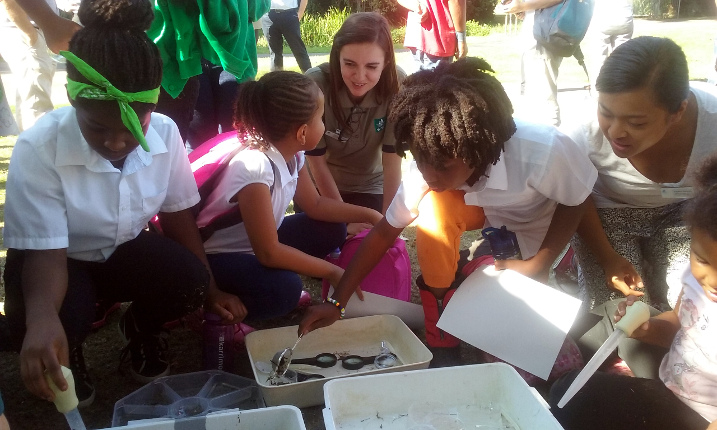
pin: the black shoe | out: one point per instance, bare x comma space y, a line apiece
445, 357
84, 387
146, 351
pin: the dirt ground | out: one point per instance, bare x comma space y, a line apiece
102, 350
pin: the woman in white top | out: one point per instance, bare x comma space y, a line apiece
652, 129
277, 117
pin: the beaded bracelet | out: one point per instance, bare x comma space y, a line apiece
342, 310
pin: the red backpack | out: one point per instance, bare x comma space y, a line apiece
390, 278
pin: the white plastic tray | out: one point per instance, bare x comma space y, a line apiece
356, 336
280, 417
402, 400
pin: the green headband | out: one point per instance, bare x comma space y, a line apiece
102, 89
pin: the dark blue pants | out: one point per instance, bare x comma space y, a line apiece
181, 109
268, 292
163, 280
214, 111
284, 24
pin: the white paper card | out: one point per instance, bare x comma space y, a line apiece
511, 316
376, 304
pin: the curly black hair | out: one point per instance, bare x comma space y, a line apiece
460, 110
701, 211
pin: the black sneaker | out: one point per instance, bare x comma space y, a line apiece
145, 351
84, 387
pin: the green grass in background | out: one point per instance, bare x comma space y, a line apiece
317, 32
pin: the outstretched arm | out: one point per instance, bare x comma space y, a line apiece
322, 177
457, 8
327, 209
372, 249
44, 285
181, 227
659, 330
391, 177
58, 31
619, 273
562, 227
256, 208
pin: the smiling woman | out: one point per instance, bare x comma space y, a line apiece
356, 160
651, 130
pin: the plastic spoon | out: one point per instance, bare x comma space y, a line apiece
66, 401
281, 361
635, 315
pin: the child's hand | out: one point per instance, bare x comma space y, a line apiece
530, 268
621, 275
620, 312
354, 228
44, 348
318, 316
228, 306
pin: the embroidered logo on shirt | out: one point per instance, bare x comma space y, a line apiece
379, 124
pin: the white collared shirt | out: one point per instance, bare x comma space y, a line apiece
63, 194
250, 166
539, 168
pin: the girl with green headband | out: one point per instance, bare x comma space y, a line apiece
83, 183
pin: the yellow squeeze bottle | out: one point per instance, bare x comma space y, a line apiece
635, 315
66, 401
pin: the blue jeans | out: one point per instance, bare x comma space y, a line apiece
281, 24
267, 292
214, 109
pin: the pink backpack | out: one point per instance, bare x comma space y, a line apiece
208, 162
390, 278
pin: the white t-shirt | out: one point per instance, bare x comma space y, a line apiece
539, 168
63, 194
612, 16
284, 4
619, 184
689, 369
250, 166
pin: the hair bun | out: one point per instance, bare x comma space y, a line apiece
132, 15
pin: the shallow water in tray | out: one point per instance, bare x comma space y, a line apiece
433, 416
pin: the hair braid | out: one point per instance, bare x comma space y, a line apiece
113, 41
275, 105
